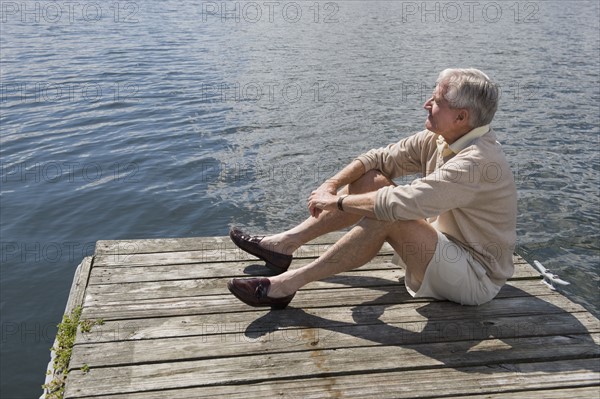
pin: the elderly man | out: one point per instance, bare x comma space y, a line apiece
454, 227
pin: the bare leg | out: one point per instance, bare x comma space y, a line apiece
311, 228
413, 240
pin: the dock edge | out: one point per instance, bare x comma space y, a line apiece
76, 296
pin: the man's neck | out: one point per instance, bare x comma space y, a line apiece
452, 137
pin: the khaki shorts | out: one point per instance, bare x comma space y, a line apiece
453, 274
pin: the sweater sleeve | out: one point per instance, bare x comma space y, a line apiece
400, 159
454, 185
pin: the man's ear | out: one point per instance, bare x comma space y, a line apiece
463, 116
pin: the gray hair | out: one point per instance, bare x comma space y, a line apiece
471, 89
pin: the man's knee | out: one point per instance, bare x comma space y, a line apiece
371, 181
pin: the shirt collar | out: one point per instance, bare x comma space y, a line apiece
465, 140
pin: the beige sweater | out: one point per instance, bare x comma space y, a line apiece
469, 196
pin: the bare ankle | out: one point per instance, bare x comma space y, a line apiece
280, 243
278, 289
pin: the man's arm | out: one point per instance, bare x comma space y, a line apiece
349, 174
326, 198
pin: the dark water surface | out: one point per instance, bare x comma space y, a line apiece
173, 119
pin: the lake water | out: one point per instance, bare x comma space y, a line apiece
173, 119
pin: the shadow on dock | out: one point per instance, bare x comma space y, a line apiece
456, 336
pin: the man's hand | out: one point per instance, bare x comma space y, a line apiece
323, 198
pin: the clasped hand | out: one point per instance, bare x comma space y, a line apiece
322, 199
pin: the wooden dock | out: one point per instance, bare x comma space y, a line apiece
170, 329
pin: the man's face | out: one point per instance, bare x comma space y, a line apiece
441, 118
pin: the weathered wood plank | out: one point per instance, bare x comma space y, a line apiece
221, 340
79, 285
211, 253
227, 303
373, 274
150, 245
313, 363
208, 253
117, 293
146, 246
259, 320
154, 273
521, 380
305, 299
589, 392
110, 275
140, 246
232, 256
